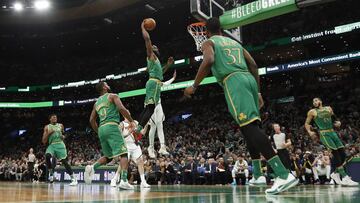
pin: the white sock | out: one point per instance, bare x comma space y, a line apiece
152, 135
160, 132
234, 179
117, 176
142, 177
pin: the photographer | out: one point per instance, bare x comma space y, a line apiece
240, 170
307, 167
322, 167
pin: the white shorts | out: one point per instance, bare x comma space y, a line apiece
134, 151
158, 115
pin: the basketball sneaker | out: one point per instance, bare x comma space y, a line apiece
259, 181
346, 181
125, 185
336, 177
89, 174
163, 151
151, 152
114, 182
51, 179
281, 185
74, 182
144, 185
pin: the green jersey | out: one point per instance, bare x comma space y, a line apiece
154, 68
55, 137
323, 119
229, 57
106, 110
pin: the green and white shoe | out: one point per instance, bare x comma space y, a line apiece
281, 185
257, 182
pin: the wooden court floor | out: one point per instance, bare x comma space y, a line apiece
60, 192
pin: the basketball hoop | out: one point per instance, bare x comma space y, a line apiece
198, 32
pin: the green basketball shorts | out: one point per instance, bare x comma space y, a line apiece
330, 139
153, 90
58, 150
241, 94
111, 141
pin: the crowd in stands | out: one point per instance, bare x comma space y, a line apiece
204, 143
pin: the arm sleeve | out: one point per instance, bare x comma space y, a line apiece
169, 82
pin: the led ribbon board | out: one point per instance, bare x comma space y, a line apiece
209, 80
256, 11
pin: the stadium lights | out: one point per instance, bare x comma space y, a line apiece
41, 4
18, 6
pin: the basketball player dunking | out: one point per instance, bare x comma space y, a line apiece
153, 85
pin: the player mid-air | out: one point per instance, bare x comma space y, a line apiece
53, 137
134, 154
156, 126
153, 85
107, 108
236, 71
323, 119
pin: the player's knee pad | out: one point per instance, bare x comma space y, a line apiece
151, 107
48, 160
146, 114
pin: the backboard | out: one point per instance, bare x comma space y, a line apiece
205, 9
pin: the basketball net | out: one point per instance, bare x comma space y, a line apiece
198, 32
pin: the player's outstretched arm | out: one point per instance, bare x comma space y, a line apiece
46, 134
205, 67
169, 63
93, 117
309, 118
337, 122
171, 80
122, 109
62, 132
148, 43
253, 68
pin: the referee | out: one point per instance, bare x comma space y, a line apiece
31, 163
282, 142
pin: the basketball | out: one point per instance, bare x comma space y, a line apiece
149, 24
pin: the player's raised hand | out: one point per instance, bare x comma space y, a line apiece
143, 25
170, 61
189, 91
132, 125
313, 135
337, 124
